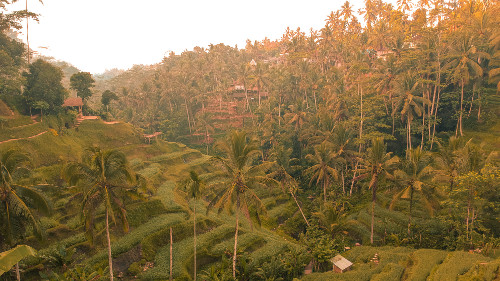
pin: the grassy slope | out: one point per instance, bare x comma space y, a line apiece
399, 263
150, 221
4, 109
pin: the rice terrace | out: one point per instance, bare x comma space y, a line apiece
366, 148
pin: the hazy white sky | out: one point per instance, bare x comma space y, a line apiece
95, 35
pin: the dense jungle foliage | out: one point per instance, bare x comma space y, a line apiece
262, 163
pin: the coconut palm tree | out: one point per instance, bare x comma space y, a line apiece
107, 180
193, 185
464, 66
287, 182
448, 160
408, 103
240, 176
323, 171
18, 203
259, 78
414, 175
376, 165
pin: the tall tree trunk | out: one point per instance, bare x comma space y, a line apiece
279, 113
471, 103
435, 118
207, 138
187, 113
306, 99
409, 131
467, 221
393, 116
361, 116
343, 182
315, 101
27, 33
194, 236
171, 261
300, 209
236, 237
479, 107
325, 184
18, 274
411, 205
110, 258
431, 113
374, 199
459, 128
353, 177
438, 87
423, 121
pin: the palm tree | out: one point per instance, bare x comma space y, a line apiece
27, 29
260, 77
297, 117
107, 178
413, 176
448, 160
463, 66
17, 203
239, 177
409, 104
282, 159
376, 165
193, 185
323, 171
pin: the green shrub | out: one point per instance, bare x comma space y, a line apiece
137, 163
141, 212
135, 268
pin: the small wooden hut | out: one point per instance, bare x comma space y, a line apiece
341, 264
74, 102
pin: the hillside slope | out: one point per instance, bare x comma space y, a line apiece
147, 244
399, 263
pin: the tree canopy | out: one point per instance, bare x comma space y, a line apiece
43, 83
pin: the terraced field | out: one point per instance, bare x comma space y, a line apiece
215, 233
398, 263
148, 241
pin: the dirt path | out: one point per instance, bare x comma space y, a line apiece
24, 138
33, 118
84, 118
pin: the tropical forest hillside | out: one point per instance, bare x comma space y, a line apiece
376, 137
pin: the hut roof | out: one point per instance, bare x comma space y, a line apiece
341, 262
73, 102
